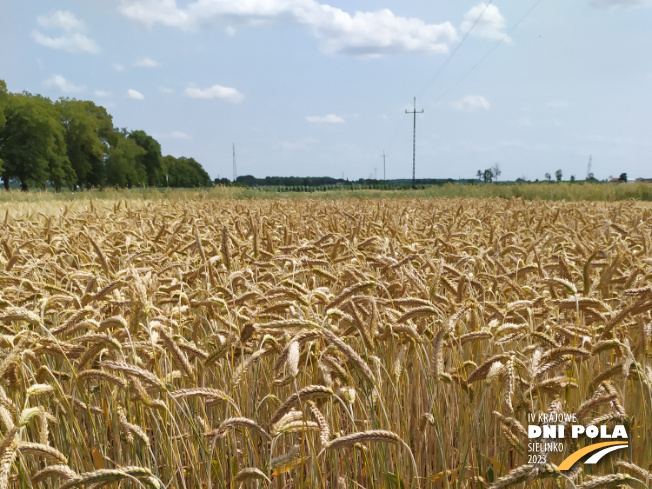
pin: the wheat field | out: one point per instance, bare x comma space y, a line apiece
329, 344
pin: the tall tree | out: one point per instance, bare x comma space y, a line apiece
89, 133
152, 159
32, 143
186, 172
4, 99
123, 167
495, 170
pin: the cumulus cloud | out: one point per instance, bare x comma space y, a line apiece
118, 67
165, 90
102, 93
361, 33
486, 21
619, 4
61, 19
135, 94
216, 91
180, 135
72, 37
327, 119
71, 42
471, 103
58, 81
146, 63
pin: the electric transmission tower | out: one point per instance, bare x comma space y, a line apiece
235, 167
384, 174
414, 112
589, 173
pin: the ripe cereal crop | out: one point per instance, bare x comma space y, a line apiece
321, 343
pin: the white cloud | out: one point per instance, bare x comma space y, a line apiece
63, 20
557, 104
524, 121
72, 42
327, 119
146, 63
135, 94
102, 93
180, 135
471, 103
362, 33
62, 84
488, 21
619, 4
376, 33
72, 39
165, 90
216, 91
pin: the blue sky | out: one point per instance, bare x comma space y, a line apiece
312, 87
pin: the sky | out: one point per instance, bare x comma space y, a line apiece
321, 88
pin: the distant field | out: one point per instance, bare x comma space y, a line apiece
528, 191
192, 341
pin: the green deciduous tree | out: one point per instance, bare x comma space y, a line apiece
73, 142
185, 172
89, 134
151, 159
558, 175
123, 166
4, 98
32, 143
495, 170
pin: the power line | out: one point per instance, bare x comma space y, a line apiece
454, 52
414, 112
441, 69
495, 46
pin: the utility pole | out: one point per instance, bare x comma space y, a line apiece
235, 168
384, 175
414, 112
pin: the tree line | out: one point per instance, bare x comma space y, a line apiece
73, 143
314, 182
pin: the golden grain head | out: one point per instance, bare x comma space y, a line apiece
319, 343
